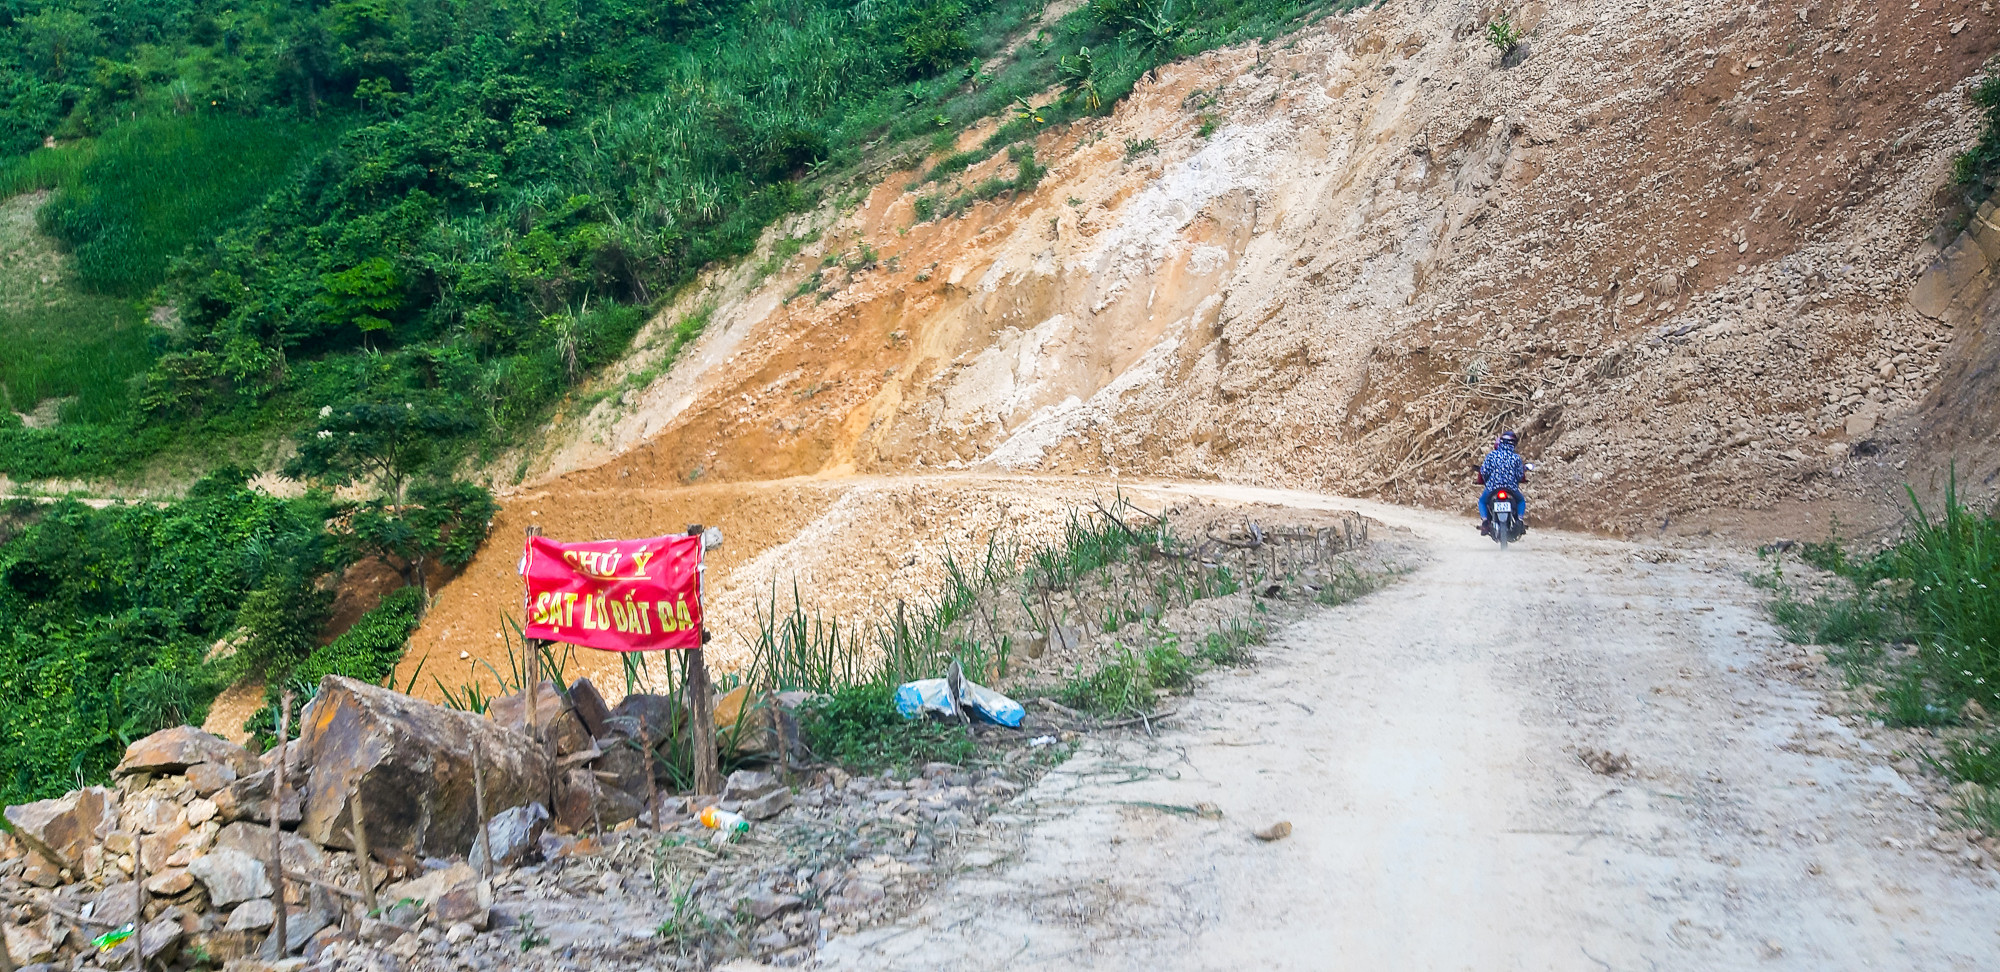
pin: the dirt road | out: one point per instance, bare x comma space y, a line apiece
1424, 744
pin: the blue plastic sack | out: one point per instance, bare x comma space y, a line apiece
993, 706
934, 695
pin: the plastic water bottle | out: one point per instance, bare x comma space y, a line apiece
716, 818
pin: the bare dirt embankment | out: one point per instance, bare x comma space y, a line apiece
1672, 245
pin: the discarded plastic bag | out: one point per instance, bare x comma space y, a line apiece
993, 706
934, 695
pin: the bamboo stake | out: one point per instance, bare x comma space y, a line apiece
138, 901
6, 957
278, 929
532, 691
652, 780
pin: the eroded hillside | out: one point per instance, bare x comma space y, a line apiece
1671, 243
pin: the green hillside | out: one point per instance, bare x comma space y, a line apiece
467, 205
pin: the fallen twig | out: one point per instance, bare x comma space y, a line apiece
1135, 720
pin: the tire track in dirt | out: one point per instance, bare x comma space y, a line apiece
1424, 742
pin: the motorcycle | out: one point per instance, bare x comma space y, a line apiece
1507, 524
1505, 507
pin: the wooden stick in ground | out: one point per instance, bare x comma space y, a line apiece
138, 900
485, 838
363, 866
652, 781
278, 930
701, 726
701, 713
532, 671
6, 957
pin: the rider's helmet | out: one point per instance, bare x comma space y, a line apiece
1507, 439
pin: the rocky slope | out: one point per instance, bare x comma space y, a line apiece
1672, 244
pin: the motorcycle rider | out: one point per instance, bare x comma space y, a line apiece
1503, 468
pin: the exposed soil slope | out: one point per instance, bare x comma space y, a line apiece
1672, 244
1427, 743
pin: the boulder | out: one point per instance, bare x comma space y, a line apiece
27, 944
114, 904
302, 926
432, 885
255, 914
411, 763
767, 806
151, 815
745, 723
254, 840
750, 784
161, 938
200, 811
623, 766
172, 751
67, 825
659, 716
159, 847
554, 718
584, 803
249, 798
206, 778
231, 876
170, 882
588, 704
514, 833
469, 904
765, 906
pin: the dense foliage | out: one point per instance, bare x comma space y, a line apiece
479, 200
108, 616
119, 621
858, 726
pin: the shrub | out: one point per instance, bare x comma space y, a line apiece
858, 726
107, 617
1503, 35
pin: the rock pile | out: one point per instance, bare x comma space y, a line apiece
183, 845
181, 848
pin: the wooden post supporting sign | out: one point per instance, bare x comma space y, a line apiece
701, 715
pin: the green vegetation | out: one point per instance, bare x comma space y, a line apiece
1130, 681
1978, 168
369, 651
1114, 564
858, 725
349, 200
108, 617
1503, 35
1919, 620
120, 621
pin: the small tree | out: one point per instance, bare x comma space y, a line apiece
442, 524
383, 442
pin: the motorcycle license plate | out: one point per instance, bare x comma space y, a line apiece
1503, 507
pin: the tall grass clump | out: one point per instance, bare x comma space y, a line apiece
1948, 566
1936, 592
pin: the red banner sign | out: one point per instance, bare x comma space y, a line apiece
615, 595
